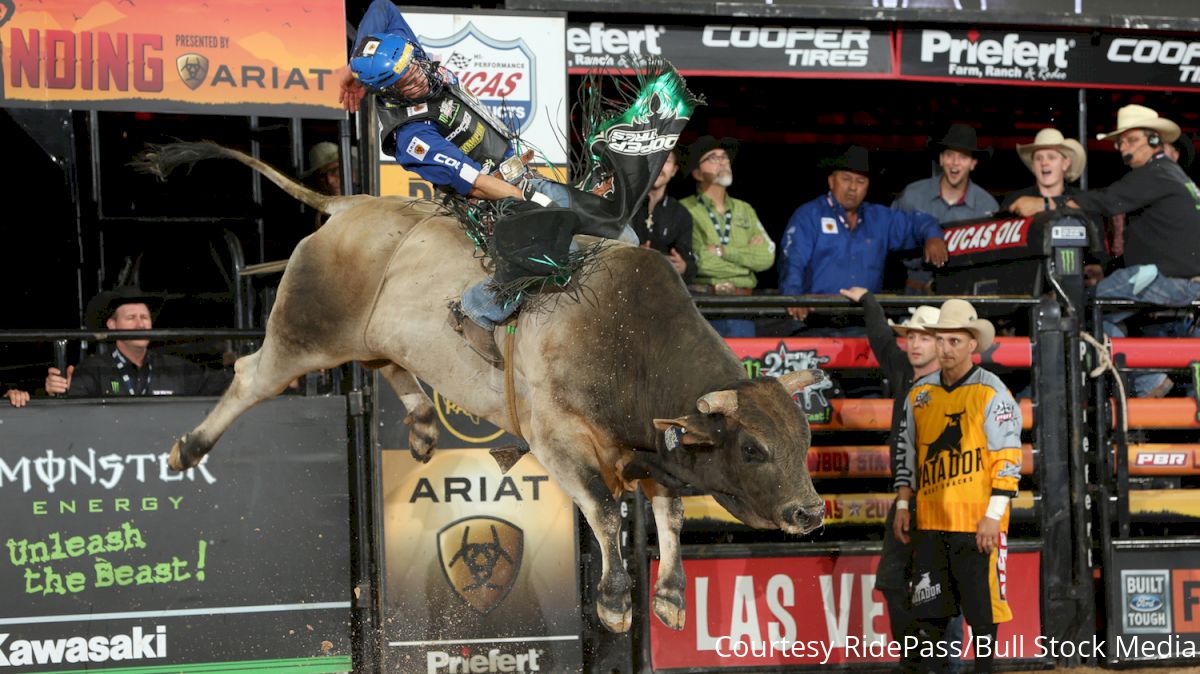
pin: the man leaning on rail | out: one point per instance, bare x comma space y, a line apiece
133, 368
1162, 237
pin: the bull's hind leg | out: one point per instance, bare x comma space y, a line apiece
670, 604
570, 456
422, 417
260, 375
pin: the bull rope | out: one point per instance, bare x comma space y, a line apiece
510, 391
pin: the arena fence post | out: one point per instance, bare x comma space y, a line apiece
1068, 608
365, 530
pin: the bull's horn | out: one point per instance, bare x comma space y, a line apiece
795, 382
718, 402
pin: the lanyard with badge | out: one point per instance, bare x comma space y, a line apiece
143, 388
722, 238
837, 211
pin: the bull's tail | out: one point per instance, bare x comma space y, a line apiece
161, 160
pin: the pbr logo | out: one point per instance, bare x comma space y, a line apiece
501, 74
1146, 601
193, 68
462, 424
481, 557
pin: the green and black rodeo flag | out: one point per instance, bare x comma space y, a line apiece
111, 561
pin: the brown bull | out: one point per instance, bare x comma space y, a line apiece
630, 385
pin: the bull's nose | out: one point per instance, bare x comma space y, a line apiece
805, 518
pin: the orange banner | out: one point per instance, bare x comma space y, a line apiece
243, 57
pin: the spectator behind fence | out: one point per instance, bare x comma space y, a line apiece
959, 452
838, 240
947, 197
901, 367
664, 225
1055, 162
132, 368
728, 239
324, 172
1162, 245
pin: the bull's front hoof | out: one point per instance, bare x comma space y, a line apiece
175, 460
186, 453
617, 616
670, 610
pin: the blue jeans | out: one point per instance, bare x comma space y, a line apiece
481, 305
1163, 291
733, 327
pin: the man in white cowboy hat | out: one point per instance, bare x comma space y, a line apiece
901, 367
1162, 235
960, 450
1056, 162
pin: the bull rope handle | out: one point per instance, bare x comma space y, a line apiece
510, 393
1104, 356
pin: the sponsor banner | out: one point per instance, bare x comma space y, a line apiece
773, 356
810, 610
1154, 602
1049, 58
985, 237
729, 48
840, 509
1164, 459
110, 559
514, 64
256, 57
825, 462
480, 572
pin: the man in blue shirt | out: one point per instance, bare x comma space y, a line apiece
839, 241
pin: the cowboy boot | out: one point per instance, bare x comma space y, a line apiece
481, 340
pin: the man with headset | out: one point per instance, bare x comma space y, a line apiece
1162, 238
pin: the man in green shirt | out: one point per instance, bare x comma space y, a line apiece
728, 239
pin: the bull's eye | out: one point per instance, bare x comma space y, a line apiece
752, 453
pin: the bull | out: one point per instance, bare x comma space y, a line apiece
629, 387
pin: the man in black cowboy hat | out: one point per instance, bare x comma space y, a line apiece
838, 240
952, 195
728, 239
132, 369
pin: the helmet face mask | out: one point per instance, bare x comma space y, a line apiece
396, 69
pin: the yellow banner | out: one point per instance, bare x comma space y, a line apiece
243, 57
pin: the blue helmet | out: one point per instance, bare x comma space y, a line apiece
380, 61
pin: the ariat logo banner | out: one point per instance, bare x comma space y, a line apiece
216, 57
481, 557
193, 68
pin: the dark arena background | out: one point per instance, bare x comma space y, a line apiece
312, 541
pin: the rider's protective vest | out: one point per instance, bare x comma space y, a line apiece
460, 118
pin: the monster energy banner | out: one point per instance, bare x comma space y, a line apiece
111, 561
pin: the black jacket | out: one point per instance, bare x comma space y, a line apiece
101, 376
672, 228
892, 360
1163, 209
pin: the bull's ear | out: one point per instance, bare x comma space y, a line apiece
795, 382
684, 431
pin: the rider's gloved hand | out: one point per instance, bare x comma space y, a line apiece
530, 193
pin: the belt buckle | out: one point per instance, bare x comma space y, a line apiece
724, 288
511, 168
